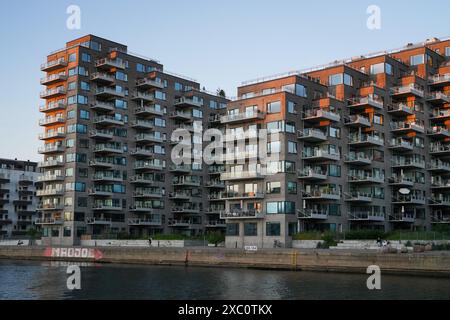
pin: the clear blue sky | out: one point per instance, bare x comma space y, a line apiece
219, 43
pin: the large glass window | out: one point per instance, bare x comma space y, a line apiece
274, 107
250, 229
232, 229
377, 68
300, 90
273, 229
417, 59
447, 51
274, 187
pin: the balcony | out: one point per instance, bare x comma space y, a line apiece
50, 192
309, 214
49, 221
438, 98
365, 102
106, 207
50, 121
405, 217
181, 223
144, 222
322, 195
403, 127
5, 221
440, 183
105, 148
52, 135
365, 140
438, 132
360, 159
215, 184
141, 208
108, 120
53, 65
242, 117
100, 192
360, 197
106, 177
241, 196
357, 121
141, 179
149, 138
366, 216
186, 210
101, 134
179, 196
143, 124
102, 106
364, 178
143, 152
408, 90
179, 115
312, 174
408, 163
440, 149
439, 166
50, 207
143, 96
148, 83
321, 155
147, 111
440, 80
48, 149
188, 102
319, 115
103, 78
53, 106
50, 164
107, 63
241, 214
180, 168
401, 181
440, 115
400, 109
109, 93
242, 175
148, 165
186, 182
439, 201
312, 135
53, 93
54, 78
408, 199
401, 145
99, 221
51, 177
147, 193
101, 163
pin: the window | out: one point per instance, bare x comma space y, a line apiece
417, 59
232, 229
291, 107
348, 80
72, 86
250, 229
95, 46
274, 107
70, 143
121, 76
334, 170
292, 187
84, 114
274, 147
292, 147
300, 90
178, 86
82, 99
377, 68
67, 232
85, 57
447, 52
72, 57
197, 113
335, 132
290, 127
273, 229
160, 95
389, 69
273, 187
85, 86
335, 79
140, 67
334, 209
71, 114
280, 207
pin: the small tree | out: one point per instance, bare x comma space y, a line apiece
221, 93
215, 238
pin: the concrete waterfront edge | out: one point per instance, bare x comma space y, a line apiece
435, 264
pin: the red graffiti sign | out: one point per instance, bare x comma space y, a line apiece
81, 253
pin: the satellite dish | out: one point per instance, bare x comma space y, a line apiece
404, 191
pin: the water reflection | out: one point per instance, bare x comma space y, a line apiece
44, 280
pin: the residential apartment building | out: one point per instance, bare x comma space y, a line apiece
18, 202
108, 121
364, 144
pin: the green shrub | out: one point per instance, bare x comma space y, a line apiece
365, 235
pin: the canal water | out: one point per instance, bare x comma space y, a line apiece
46, 280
